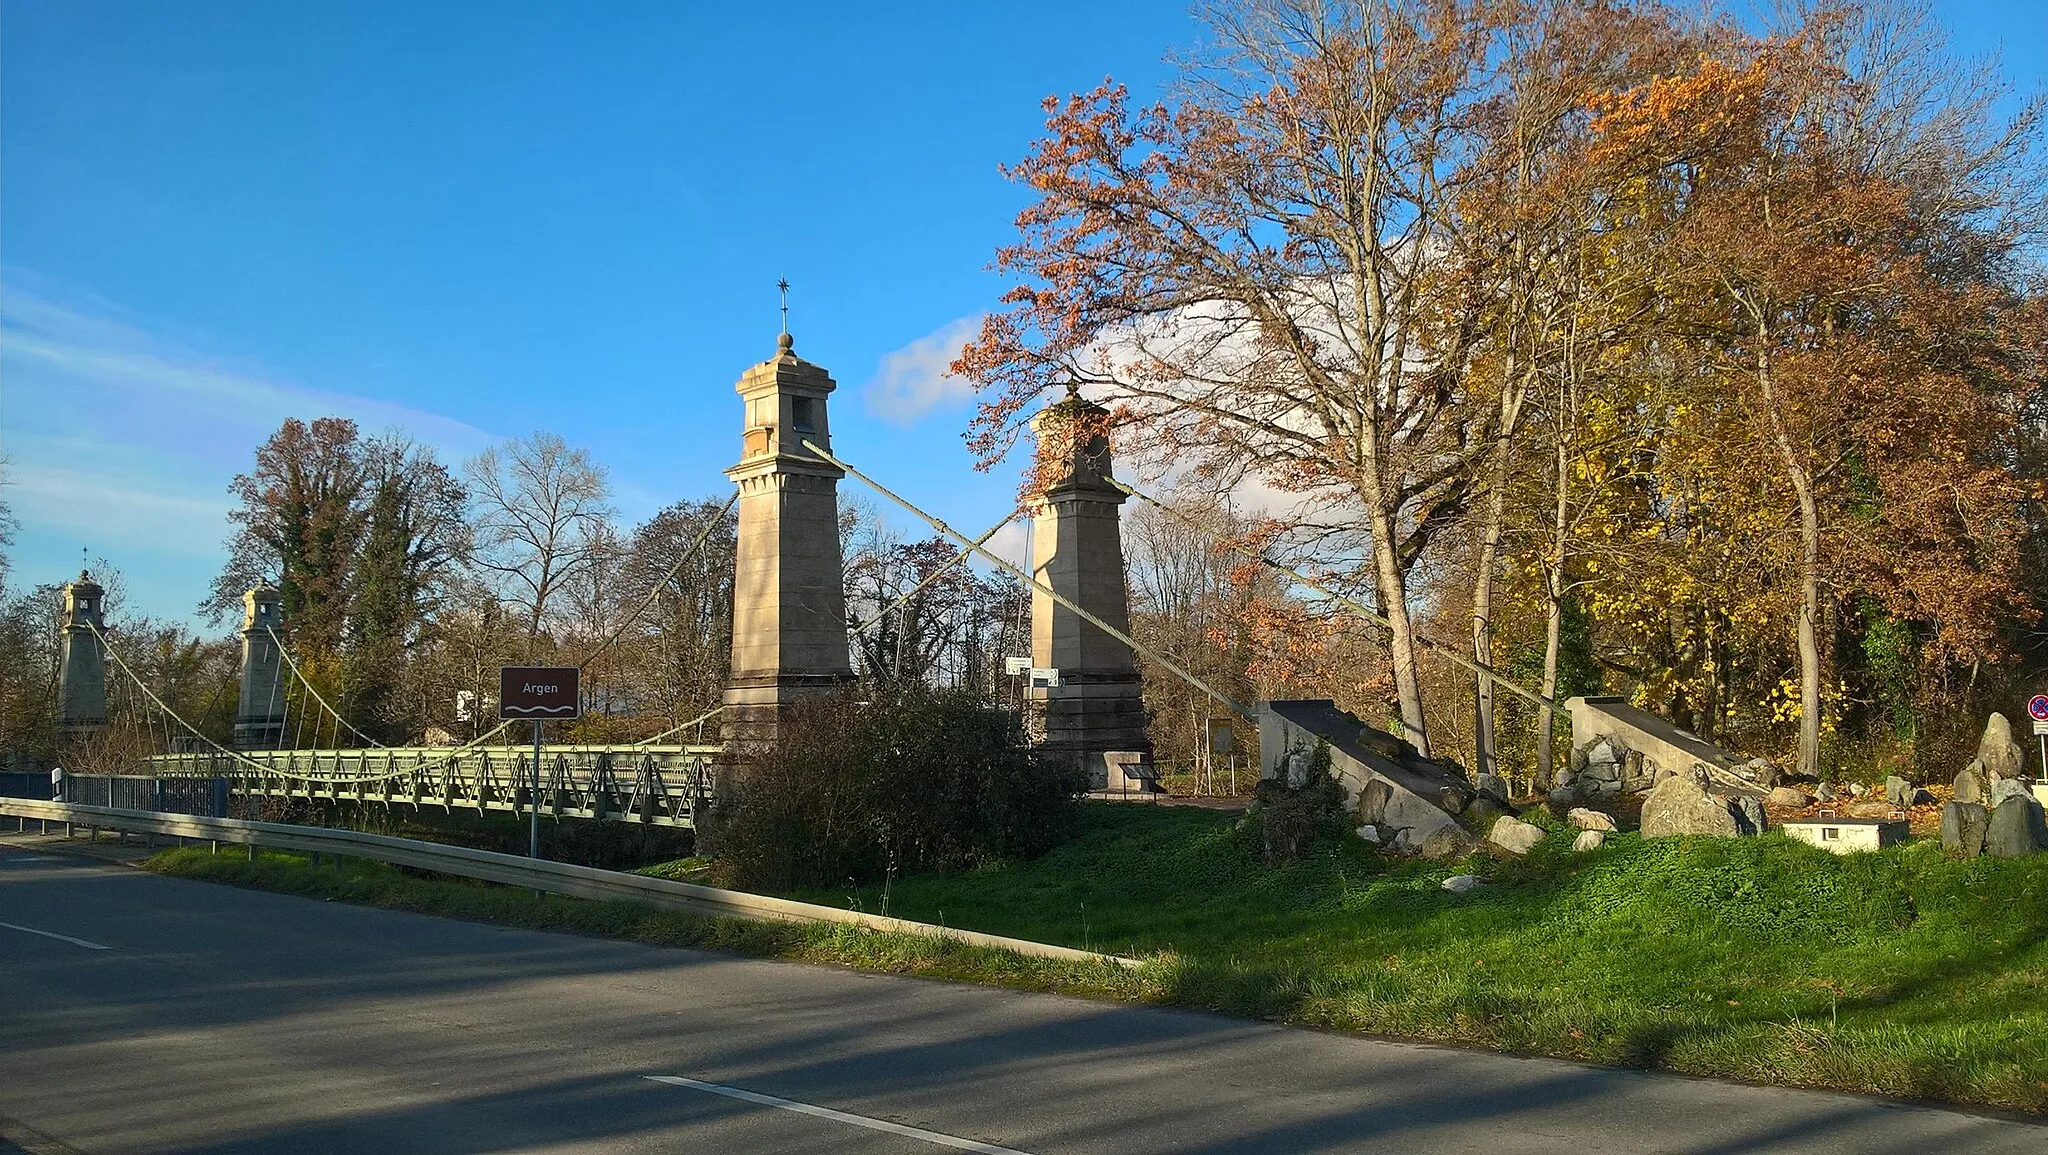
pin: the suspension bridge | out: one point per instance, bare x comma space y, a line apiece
790, 641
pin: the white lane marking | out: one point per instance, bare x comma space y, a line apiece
952, 1141
55, 935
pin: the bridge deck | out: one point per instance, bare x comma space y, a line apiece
659, 785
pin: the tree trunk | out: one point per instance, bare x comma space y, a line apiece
1809, 643
1809, 567
1553, 631
1482, 620
1393, 596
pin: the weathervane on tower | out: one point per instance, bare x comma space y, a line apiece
784, 342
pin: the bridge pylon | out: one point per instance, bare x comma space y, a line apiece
82, 661
789, 606
259, 713
1096, 713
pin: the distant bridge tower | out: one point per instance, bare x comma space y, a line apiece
1097, 712
789, 606
259, 714
82, 662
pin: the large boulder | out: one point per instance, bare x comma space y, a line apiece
1447, 842
2004, 790
1515, 836
1789, 798
1679, 805
1971, 785
1871, 808
1589, 840
2000, 754
1898, 791
1453, 797
1588, 819
1373, 797
1749, 814
1962, 829
1492, 786
2014, 830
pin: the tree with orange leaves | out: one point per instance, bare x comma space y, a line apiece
1833, 282
1272, 278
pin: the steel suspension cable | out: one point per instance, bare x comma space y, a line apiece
108, 649
272, 771
966, 552
308, 687
710, 524
1235, 706
679, 728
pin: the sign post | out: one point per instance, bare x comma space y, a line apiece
2037, 709
539, 693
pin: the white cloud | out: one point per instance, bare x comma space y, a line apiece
913, 382
123, 507
48, 340
1012, 543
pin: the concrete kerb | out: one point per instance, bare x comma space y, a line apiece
513, 870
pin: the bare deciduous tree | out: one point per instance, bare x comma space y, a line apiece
537, 503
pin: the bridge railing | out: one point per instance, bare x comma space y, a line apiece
660, 785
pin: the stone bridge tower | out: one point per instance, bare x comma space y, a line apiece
82, 661
1097, 712
789, 603
259, 714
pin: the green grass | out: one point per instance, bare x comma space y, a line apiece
374, 884
1898, 973
1762, 959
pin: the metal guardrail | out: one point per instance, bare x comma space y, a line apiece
512, 870
658, 785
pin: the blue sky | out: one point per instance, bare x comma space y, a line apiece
475, 220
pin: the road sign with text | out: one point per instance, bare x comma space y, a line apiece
540, 692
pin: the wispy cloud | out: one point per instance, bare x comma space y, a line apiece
913, 382
123, 439
44, 339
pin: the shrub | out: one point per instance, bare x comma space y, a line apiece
909, 779
1291, 810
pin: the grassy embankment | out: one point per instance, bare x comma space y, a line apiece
1760, 959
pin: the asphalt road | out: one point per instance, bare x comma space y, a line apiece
180, 1016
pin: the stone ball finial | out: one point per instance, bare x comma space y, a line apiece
785, 344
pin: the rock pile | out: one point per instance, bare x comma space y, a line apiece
1993, 812
1604, 768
